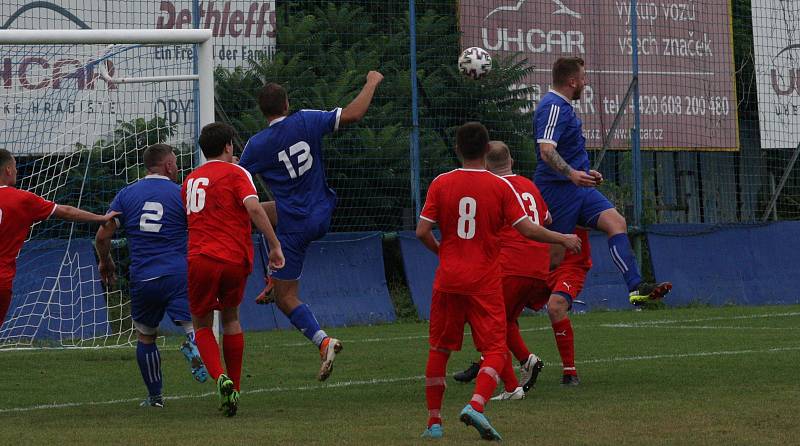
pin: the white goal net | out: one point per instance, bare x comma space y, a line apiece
77, 117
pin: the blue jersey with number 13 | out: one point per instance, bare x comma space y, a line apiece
288, 156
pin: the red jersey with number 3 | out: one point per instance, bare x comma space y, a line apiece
471, 208
219, 225
19, 210
521, 256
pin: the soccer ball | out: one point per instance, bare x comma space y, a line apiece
474, 62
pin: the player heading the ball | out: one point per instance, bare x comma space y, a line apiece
570, 187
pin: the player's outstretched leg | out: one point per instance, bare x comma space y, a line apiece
613, 224
301, 316
149, 359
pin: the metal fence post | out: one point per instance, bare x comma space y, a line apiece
414, 140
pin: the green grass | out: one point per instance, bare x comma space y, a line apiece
690, 376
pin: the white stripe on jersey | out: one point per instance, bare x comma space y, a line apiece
519, 200
249, 177
551, 122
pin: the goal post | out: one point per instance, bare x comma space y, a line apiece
77, 109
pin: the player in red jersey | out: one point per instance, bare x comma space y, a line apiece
19, 210
221, 200
525, 266
566, 283
471, 207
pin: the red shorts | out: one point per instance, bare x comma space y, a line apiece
5, 302
520, 292
214, 285
567, 282
485, 314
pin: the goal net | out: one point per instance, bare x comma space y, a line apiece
77, 110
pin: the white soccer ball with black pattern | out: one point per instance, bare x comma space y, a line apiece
475, 62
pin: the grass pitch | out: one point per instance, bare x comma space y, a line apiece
688, 376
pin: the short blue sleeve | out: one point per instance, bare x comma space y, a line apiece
116, 203
550, 123
320, 122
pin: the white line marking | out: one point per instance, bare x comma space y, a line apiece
391, 338
717, 318
695, 327
375, 381
687, 355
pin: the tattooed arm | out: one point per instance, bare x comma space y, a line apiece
554, 160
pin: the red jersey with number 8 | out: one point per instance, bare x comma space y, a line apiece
471, 208
219, 225
520, 256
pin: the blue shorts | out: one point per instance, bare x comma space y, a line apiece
150, 299
295, 245
571, 206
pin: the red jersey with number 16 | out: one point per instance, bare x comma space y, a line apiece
471, 207
219, 225
19, 210
520, 256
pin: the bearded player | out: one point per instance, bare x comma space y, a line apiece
569, 186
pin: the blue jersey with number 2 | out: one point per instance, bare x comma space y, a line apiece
154, 221
288, 156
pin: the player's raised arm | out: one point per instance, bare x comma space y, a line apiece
260, 219
356, 110
102, 243
531, 230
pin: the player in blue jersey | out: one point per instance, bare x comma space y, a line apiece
154, 220
569, 186
288, 156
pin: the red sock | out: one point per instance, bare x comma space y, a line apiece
510, 382
232, 348
566, 345
487, 379
209, 351
435, 383
515, 342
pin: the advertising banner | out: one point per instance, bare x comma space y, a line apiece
686, 69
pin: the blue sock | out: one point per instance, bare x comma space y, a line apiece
622, 254
303, 319
149, 360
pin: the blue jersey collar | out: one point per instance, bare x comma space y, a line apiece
276, 120
560, 95
156, 176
